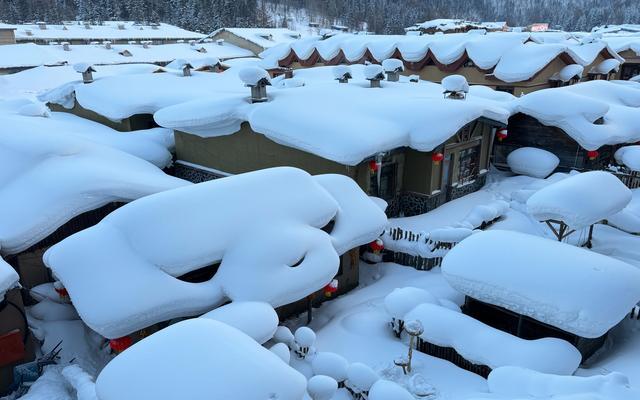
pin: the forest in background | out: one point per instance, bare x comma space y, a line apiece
379, 16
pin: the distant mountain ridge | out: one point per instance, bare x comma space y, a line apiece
379, 16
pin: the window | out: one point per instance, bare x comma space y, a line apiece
468, 164
508, 89
388, 181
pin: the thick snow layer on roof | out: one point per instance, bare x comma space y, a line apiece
258, 225
569, 72
263, 37
571, 288
8, 278
402, 300
629, 156
257, 320
531, 161
580, 200
251, 76
484, 345
629, 218
576, 108
196, 359
109, 30
606, 66
153, 145
34, 201
27, 55
345, 123
455, 83
514, 381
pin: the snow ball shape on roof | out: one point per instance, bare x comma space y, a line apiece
83, 67
373, 72
321, 387
198, 359
455, 84
568, 287
629, 156
254, 76
531, 161
569, 72
606, 66
387, 390
342, 72
402, 300
256, 319
360, 377
581, 199
392, 65
330, 364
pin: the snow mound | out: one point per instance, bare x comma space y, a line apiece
629, 156
321, 387
402, 300
360, 377
531, 161
392, 65
387, 390
484, 345
580, 200
515, 381
282, 351
455, 83
194, 359
305, 337
257, 320
257, 225
606, 66
341, 72
252, 76
330, 364
373, 72
569, 72
629, 218
544, 275
8, 278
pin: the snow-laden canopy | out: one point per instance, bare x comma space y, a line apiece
532, 161
262, 37
484, 345
569, 72
513, 56
53, 170
629, 156
263, 227
571, 288
606, 66
581, 199
576, 108
199, 359
8, 278
345, 123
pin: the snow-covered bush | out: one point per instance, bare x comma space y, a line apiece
531, 161
284, 335
304, 339
360, 379
322, 387
402, 300
387, 390
256, 319
282, 351
330, 364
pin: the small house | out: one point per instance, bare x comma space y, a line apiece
551, 303
7, 34
255, 40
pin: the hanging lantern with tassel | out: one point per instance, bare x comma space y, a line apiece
120, 344
331, 288
437, 158
502, 134
592, 155
376, 246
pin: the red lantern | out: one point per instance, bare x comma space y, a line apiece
592, 155
373, 166
61, 290
437, 158
377, 246
502, 134
121, 344
331, 288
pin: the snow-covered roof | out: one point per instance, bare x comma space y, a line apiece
345, 123
581, 199
509, 56
447, 24
30, 55
34, 154
532, 161
571, 288
109, 30
484, 345
629, 156
576, 108
8, 278
570, 71
263, 37
606, 66
632, 28
196, 359
258, 225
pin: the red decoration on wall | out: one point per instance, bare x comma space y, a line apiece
331, 288
437, 158
373, 166
121, 344
502, 134
592, 155
377, 246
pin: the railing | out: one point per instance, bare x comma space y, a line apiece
631, 179
424, 261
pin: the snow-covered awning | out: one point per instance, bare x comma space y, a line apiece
581, 199
263, 227
629, 156
198, 359
8, 278
53, 169
571, 288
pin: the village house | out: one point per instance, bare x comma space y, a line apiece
444, 25
7, 34
514, 62
255, 40
222, 247
117, 32
552, 302
412, 147
582, 124
628, 47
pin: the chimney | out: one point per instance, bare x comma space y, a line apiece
87, 25
28, 32
342, 73
392, 67
374, 74
220, 42
192, 43
107, 45
65, 46
121, 27
86, 70
186, 69
258, 80
414, 78
455, 87
155, 26
145, 44
42, 25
